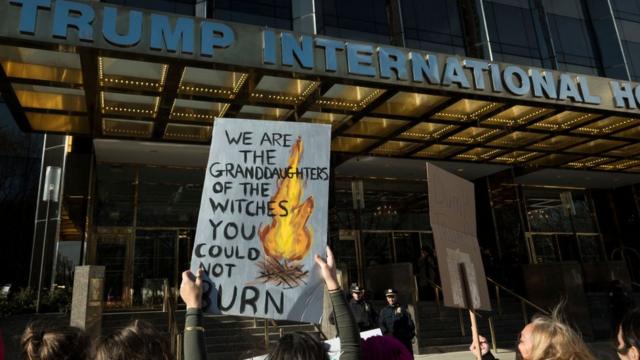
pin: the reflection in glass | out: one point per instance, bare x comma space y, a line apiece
433, 25
515, 32
114, 195
112, 253
364, 20
154, 262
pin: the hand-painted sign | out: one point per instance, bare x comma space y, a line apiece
453, 221
262, 217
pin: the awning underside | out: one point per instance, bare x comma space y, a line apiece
107, 97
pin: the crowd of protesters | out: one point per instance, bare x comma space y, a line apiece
544, 338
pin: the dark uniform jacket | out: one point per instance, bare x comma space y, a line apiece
366, 317
396, 320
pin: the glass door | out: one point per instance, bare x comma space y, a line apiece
153, 263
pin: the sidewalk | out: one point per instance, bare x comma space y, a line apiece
603, 350
502, 354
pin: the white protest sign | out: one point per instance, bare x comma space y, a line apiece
263, 215
452, 212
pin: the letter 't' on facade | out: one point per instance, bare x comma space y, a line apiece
29, 14
69, 14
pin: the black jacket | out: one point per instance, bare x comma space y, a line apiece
396, 320
366, 317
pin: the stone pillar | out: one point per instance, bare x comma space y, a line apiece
304, 16
86, 305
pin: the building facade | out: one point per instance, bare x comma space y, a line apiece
127, 117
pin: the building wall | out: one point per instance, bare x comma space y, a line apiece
19, 169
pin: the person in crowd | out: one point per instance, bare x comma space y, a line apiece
137, 341
298, 345
484, 348
366, 317
621, 301
550, 338
628, 338
395, 320
44, 342
384, 348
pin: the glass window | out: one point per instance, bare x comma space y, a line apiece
111, 251
364, 20
433, 25
515, 33
272, 13
571, 37
626, 9
169, 196
184, 7
627, 13
114, 195
153, 263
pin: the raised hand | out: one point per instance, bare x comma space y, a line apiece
328, 270
191, 289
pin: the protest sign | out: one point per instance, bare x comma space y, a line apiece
453, 221
263, 215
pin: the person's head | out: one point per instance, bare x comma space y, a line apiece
629, 336
44, 342
357, 292
298, 345
138, 341
424, 251
549, 338
391, 296
384, 348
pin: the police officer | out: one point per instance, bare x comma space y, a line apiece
395, 320
366, 317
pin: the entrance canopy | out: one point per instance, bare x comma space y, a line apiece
103, 71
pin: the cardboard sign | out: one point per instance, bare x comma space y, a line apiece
263, 216
453, 221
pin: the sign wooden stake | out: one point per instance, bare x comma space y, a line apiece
475, 339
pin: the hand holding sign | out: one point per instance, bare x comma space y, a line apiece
191, 289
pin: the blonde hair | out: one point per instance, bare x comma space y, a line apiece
553, 339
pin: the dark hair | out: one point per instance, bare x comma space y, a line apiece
630, 329
298, 346
138, 341
41, 341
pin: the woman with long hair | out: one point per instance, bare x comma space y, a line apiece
550, 338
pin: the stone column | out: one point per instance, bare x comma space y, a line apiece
86, 306
304, 16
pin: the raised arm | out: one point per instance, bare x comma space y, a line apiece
191, 293
345, 322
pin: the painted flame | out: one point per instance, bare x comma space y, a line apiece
289, 237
